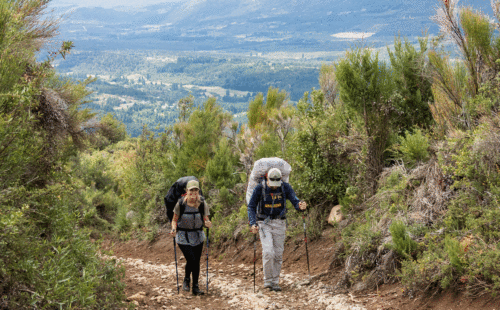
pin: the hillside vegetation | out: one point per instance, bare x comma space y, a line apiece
47, 259
408, 147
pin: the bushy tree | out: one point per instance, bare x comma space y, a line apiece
367, 86
259, 111
269, 123
221, 169
413, 85
201, 135
109, 131
328, 83
185, 106
319, 172
149, 171
319, 160
457, 83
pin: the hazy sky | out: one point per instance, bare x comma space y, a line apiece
109, 3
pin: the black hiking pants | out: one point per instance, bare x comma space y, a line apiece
193, 256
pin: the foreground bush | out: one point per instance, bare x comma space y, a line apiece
45, 260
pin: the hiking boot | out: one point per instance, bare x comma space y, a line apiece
185, 284
276, 288
268, 285
196, 290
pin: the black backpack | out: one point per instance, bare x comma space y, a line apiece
175, 193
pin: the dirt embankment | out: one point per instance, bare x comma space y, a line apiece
151, 280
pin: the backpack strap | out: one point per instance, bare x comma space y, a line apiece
260, 214
283, 212
261, 202
201, 211
182, 207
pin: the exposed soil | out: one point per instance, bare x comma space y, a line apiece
151, 277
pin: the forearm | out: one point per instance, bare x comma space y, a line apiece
252, 205
174, 221
251, 216
290, 195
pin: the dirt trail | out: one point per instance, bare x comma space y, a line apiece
230, 287
151, 280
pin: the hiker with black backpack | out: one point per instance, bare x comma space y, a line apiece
267, 216
190, 215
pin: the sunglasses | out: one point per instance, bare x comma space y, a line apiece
274, 179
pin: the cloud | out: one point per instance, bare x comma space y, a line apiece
353, 35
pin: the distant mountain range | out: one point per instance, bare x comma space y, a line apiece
251, 25
142, 87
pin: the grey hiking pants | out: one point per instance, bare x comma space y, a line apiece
272, 237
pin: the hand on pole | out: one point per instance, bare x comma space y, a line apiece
208, 224
254, 229
302, 205
173, 232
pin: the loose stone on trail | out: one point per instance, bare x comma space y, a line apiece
304, 282
228, 289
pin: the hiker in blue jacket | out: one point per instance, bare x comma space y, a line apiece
267, 215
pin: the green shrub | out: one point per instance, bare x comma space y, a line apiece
350, 199
448, 263
425, 273
393, 191
93, 168
295, 220
152, 233
455, 253
395, 181
220, 168
413, 147
98, 208
362, 235
482, 268
415, 88
226, 198
122, 224
320, 169
401, 240
45, 262
224, 226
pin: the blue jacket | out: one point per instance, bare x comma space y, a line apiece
273, 202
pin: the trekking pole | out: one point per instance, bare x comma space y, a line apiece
176, 272
305, 240
208, 231
254, 258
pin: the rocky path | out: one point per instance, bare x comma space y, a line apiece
150, 280
153, 286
